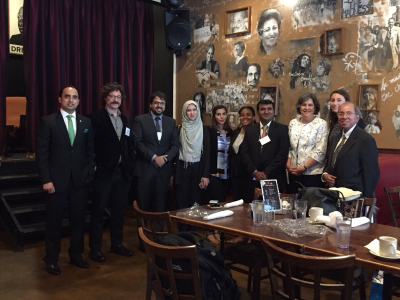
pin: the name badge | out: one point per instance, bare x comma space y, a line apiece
159, 135
265, 140
127, 131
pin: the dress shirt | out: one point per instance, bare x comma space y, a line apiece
346, 134
160, 123
117, 124
64, 114
262, 126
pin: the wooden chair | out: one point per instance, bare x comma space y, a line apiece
390, 192
250, 255
155, 252
146, 221
371, 204
291, 261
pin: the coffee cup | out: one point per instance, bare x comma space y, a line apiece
315, 212
387, 246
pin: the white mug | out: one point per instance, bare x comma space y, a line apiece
315, 212
387, 246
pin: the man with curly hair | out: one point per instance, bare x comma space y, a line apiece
114, 171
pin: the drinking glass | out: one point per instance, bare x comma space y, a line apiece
269, 213
343, 231
287, 207
301, 209
258, 210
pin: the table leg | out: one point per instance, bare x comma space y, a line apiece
387, 286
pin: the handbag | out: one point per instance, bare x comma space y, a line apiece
327, 199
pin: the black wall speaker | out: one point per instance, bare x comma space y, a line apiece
177, 30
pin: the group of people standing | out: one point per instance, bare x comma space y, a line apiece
75, 153
309, 151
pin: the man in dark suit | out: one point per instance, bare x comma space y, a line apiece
66, 160
156, 143
114, 169
353, 157
265, 147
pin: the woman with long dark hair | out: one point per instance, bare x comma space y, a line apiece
220, 138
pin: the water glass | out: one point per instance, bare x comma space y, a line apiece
301, 209
343, 231
269, 213
287, 207
257, 207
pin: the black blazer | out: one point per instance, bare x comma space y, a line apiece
146, 144
109, 148
356, 165
272, 159
237, 167
204, 170
214, 148
57, 160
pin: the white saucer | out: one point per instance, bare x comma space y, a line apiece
386, 257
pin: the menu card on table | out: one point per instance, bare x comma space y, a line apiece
270, 192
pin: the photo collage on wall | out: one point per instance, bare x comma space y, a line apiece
250, 66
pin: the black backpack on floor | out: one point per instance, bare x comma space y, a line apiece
216, 278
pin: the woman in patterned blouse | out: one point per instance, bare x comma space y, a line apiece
220, 137
308, 140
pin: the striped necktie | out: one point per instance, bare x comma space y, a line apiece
337, 150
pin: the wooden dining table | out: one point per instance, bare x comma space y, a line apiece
242, 225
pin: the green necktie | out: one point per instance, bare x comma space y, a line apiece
71, 129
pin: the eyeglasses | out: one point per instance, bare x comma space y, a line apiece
113, 97
159, 103
347, 114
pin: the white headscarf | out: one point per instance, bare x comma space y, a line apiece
191, 136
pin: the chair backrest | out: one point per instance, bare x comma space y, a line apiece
390, 192
371, 203
316, 264
258, 192
147, 220
156, 252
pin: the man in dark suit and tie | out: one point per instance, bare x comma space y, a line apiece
66, 160
353, 157
156, 143
265, 147
114, 169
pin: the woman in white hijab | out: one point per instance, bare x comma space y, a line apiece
193, 164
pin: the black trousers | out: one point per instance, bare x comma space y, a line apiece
218, 189
306, 180
151, 195
242, 188
187, 190
77, 199
113, 190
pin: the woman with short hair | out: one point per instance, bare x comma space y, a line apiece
308, 136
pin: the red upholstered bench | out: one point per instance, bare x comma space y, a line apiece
389, 165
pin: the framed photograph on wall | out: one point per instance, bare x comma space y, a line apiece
369, 97
270, 93
357, 8
233, 120
333, 41
15, 26
238, 21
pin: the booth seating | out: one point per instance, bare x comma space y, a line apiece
389, 165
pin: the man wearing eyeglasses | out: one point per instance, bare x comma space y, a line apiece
353, 162
156, 143
114, 170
